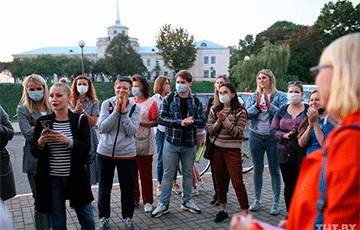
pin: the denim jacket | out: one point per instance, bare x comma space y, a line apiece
170, 117
276, 101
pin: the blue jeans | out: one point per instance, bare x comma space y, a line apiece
160, 138
172, 154
258, 145
59, 190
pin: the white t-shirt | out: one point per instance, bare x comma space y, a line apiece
159, 100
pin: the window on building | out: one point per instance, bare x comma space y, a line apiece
206, 73
114, 31
148, 62
157, 63
206, 59
213, 73
213, 59
165, 73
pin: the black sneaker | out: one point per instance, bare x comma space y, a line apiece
104, 223
222, 215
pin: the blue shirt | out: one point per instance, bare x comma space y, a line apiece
313, 143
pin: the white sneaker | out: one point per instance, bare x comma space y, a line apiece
148, 207
256, 206
191, 206
160, 210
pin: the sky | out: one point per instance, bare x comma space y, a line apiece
31, 24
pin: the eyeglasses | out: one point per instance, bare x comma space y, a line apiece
315, 70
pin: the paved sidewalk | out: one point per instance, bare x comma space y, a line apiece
21, 209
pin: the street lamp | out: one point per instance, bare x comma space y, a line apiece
82, 45
246, 58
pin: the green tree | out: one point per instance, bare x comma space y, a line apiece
121, 58
337, 19
246, 47
305, 47
176, 47
274, 57
277, 33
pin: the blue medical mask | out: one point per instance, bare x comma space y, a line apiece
135, 91
181, 88
36, 95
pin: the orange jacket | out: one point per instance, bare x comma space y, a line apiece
342, 209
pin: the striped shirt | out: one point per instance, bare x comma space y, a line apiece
230, 131
60, 154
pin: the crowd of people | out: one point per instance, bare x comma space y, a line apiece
313, 146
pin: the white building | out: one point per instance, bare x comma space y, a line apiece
211, 60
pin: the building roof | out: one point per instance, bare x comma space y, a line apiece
68, 50
205, 44
148, 50
75, 50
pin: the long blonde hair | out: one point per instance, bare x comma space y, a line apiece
343, 55
25, 99
270, 74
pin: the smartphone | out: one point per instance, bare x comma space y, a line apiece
47, 124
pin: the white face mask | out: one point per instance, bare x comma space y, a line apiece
135, 91
294, 98
224, 98
82, 89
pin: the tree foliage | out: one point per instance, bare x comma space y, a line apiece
121, 58
48, 65
337, 19
246, 47
176, 47
274, 57
277, 33
305, 48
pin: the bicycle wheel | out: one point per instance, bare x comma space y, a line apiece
246, 156
202, 166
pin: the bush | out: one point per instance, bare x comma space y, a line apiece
10, 94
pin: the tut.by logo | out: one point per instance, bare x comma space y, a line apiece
336, 226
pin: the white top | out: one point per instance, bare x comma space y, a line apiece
159, 100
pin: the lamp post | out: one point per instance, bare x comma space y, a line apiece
82, 45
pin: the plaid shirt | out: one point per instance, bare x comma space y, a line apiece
170, 117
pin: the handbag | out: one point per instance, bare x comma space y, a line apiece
209, 150
293, 151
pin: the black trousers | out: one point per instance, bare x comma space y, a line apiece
289, 174
126, 171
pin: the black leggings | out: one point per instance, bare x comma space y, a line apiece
126, 170
289, 174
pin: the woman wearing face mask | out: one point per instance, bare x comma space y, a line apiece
145, 140
226, 123
62, 145
318, 125
161, 89
284, 129
219, 81
261, 107
84, 101
34, 104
